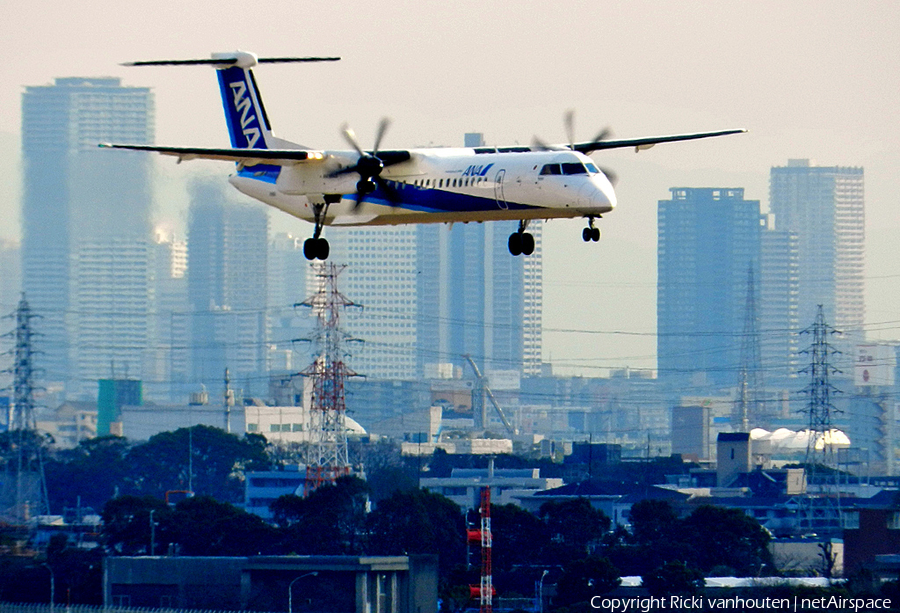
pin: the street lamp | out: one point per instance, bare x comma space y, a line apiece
52, 585
152, 533
291, 585
541, 591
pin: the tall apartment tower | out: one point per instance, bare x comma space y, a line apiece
85, 217
824, 206
381, 278
778, 307
169, 325
475, 299
708, 239
227, 261
286, 285
10, 275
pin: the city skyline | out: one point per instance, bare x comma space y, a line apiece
772, 69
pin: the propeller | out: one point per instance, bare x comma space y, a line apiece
368, 166
569, 123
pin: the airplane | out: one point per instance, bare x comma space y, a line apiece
358, 187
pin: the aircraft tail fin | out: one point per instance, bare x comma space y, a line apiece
248, 124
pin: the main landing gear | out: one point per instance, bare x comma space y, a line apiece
316, 248
590, 233
521, 242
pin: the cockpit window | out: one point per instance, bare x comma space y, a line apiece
592, 169
574, 168
551, 169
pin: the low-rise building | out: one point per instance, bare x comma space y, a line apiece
508, 486
262, 488
369, 584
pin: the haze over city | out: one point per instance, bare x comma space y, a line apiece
812, 80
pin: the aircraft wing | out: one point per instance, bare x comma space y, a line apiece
647, 142
249, 157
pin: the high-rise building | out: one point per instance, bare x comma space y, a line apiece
168, 355
110, 303
708, 240
10, 275
381, 278
287, 271
475, 299
778, 304
80, 202
227, 263
824, 206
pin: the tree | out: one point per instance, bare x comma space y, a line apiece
203, 526
656, 537
519, 537
207, 460
574, 526
652, 521
673, 577
411, 522
126, 524
583, 579
78, 572
722, 537
330, 521
90, 473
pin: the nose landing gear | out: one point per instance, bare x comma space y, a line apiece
521, 242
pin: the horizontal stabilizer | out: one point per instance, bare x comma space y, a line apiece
233, 60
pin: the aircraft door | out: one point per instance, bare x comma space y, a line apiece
498, 189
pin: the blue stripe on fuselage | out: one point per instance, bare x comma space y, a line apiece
438, 201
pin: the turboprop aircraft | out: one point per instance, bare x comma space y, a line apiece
359, 187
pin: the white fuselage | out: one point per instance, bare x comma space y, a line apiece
440, 185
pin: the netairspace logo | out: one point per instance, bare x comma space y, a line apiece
671, 603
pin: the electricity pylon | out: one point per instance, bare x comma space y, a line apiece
327, 455
822, 508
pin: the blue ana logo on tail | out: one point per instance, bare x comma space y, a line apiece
243, 107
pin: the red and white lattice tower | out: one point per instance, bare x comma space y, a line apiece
484, 591
487, 585
327, 456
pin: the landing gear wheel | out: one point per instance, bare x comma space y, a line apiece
527, 243
586, 235
521, 243
316, 249
515, 243
595, 234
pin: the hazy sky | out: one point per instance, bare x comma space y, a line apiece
810, 79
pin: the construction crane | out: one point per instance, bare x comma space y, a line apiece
484, 390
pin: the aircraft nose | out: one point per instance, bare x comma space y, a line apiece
604, 195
